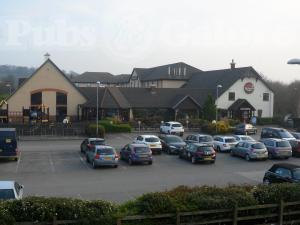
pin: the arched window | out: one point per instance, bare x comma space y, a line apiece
36, 98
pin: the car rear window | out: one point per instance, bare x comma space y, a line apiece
141, 150
152, 139
204, 148
205, 139
283, 144
246, 138
285, 134
176, 125
230, 140
258, 146
174, 139
106, 151
7, 194
296, 174
98, 142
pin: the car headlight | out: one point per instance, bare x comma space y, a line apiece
172, 146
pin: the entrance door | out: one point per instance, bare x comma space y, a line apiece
61, 113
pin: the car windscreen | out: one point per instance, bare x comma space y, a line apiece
230, 140
205, 139
173, 139
285, 134
98, 142
176, 125
7, 194
106, 151
152, 139
204, 148
283, 144
141, 150
258, 146
296, 174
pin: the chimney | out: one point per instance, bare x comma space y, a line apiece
47, 56
232, 64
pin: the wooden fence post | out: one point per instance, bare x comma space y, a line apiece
54, 220
119, 221
177, 218
235, 215
280, 216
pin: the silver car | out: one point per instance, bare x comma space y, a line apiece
250, 150
278, 148
102, 156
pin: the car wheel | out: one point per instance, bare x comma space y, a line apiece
212, 162
168, 151
193, 160
130, 161
16, 159
270, 156
169, 132
247, 157
266, 181
181, 134
179, 156
231, 153
218, 149
87, 159
94, 165
150, 162
115, 166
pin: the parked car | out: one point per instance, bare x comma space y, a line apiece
10, 190
224, 143
280, 133
296, 135
200, 138
89, 143
245, 129
243, 138
102, 155
136, 153
172, 144
278, 148
282, 172
197, 152
250, 150
152, 141
8, 144
172, 128
295, 147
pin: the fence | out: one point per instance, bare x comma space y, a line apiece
268, 214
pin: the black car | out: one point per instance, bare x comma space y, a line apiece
196, 152
89, 143
245, 129
172, 144
296, 135
274, 132
282, 172
8, 144
200, 138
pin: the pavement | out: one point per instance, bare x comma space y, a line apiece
57, 168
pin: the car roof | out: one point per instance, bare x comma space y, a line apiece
96, 139
173, 122
200, 144
286, 165
274, 128
103, 147
7, 129
7, 184
148, 135
138, 145
201, 135
169, 135
274, 139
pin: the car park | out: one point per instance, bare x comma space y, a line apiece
10, 190
89, 143
172, 144
224, 143
243, 138
278, 148
296, 135
136, 153
250, 150
102, 155
197, 152
152, 141
200, 138
281, 173
279, 133
245, 129
9, 144
172, 128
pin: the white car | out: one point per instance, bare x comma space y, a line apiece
10, 190
172, 128
224, 143
151, 140
243, 138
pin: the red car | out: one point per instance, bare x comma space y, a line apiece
295, 147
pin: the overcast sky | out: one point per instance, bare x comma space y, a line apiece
117, 35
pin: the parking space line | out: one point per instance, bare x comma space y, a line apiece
51, 164
83, 161
18, 162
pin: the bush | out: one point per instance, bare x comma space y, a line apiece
90, 130
110, 127
265, 121
222, 128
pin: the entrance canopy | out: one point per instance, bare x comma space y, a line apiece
242, 105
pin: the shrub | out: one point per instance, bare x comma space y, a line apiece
90, 130
222, 127
265, 121
110, 127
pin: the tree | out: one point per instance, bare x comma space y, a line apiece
209, 108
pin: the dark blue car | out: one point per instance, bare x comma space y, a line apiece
136, 153
8, 144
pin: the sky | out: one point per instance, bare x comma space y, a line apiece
117, 35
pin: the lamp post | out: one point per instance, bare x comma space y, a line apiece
97, 109
217, 96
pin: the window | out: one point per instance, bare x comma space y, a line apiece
266, 97
61, 98
283, 172
36, 98
231, 96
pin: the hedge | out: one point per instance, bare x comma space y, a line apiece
180, 199
110, 127
90, 130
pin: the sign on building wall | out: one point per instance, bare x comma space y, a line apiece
249, 87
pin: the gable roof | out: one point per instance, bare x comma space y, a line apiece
225, 77
240, 103
93, 77
173, 71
